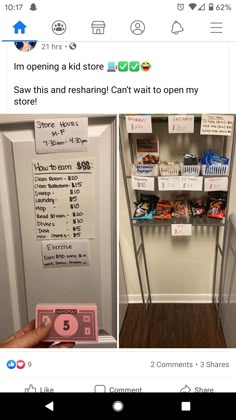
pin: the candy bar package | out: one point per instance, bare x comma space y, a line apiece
216, 204
163, 210
180, 208
198, 207
145, 207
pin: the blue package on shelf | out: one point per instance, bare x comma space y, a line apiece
211, 158
141, 215
146, 207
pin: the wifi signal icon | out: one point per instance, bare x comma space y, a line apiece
192, 5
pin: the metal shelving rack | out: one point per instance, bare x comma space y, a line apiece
204, 221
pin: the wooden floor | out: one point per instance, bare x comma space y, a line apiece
171, 325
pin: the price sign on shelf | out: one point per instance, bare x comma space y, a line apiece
217, 125
181, 124
145, 170
139, 123
143, 183
216, 184
169, 183
191, 183
181, 229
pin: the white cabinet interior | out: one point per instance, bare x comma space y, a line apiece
175, 269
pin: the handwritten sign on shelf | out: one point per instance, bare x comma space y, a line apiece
61, 135
143, 183
169, 183
180, 124
139, 123
64, 198
145, 170
216, 184
191, 183
181, 229
217, 125
64, 253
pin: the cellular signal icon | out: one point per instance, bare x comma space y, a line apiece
192, 5
202, 7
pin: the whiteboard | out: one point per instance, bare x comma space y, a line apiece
95, 283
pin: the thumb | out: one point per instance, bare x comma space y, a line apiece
34, 337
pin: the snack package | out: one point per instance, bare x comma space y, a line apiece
180, 208
211, 158
198, 207
163, 210
145, 207
190, 159
216, 204
147, 151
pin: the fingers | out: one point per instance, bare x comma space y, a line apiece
28, 337
29, 327
32, 337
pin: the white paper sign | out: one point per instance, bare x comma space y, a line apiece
139, 123
61, 135
184, 229
64, 198
143, 183
181, 124
145, 170
216, 184
169, 183
217, 125
63, 253
191, 183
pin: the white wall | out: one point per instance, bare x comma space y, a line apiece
180, 269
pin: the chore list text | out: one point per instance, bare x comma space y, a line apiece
64, 198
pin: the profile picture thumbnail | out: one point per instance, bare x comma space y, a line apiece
25, 46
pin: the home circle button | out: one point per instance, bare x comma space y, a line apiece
66, 325
117, 406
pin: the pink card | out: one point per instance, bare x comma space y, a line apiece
71, 323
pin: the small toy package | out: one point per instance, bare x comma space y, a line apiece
145, 207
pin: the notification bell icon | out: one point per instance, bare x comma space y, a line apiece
33, 7
176, 28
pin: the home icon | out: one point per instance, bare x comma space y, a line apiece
19, 26
98, 27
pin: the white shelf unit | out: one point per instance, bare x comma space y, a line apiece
172, 148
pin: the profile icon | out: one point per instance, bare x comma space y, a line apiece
25, 46
137, 27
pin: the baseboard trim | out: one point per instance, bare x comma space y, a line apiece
173, 298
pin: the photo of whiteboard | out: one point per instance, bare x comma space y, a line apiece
28, 281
